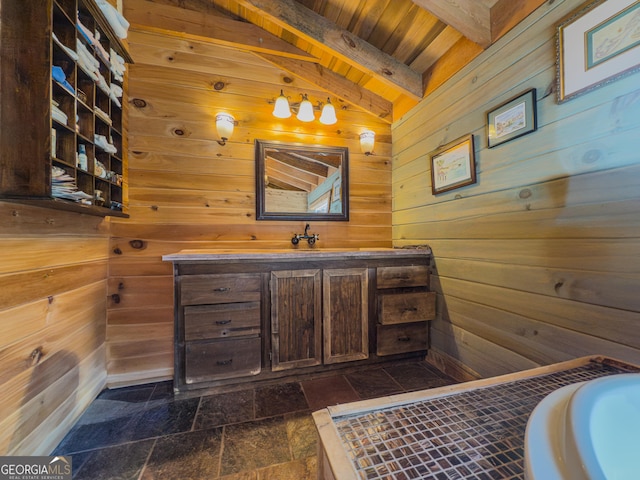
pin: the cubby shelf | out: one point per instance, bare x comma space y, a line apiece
51, 116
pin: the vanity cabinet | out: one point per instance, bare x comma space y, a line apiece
56, 104
345, 315
404, 307
296, 319
244, 316
219, 327
319, 317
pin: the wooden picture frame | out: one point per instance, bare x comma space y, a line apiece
453, 165
512, 119
594, 46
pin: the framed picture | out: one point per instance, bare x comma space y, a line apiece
453, 165
512, 119
596, 44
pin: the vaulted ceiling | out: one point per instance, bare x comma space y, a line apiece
381, 56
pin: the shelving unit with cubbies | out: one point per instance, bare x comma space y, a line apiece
48, 118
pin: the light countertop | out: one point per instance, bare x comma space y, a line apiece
215, 254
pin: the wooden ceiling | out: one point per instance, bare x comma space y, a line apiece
381, 56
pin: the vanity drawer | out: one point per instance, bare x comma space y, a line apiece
219, 359
406, 307
398, 277
402, 338
224, 288
203, 322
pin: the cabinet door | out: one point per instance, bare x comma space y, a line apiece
296, 319
345, 315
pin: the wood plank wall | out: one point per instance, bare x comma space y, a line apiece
187, 191
539, 261
53, 286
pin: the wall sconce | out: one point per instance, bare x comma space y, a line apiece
367, 140
281, 108
328, 115
305, 112
224, 125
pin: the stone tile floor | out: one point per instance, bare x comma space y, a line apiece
258, 433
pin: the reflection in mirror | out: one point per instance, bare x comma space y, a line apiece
301, 182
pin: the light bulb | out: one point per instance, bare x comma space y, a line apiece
305, 113
328, 115
281, 108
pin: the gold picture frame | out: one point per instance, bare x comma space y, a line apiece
453, 165
596, 45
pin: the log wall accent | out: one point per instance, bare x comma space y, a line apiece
187, 191
53, 286
538, 262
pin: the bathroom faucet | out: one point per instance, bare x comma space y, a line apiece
311, 239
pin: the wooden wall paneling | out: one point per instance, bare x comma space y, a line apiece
43, 421
613, 191
535, 262
24, 379
489, 359
53, 271
598, 321
539, 341
607, 289
24, 220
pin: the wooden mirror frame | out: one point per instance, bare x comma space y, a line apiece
262, 146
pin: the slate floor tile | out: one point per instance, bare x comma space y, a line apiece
301, 432
226, 408
123, 462
326, 391
373, 383
279, 399
191, 455
256, 444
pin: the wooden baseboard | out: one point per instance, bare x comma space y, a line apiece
450, 366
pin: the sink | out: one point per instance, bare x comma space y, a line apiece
588, 430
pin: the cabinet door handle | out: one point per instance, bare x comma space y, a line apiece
221, 289
411, 309
223, 322
404, 339
224, 362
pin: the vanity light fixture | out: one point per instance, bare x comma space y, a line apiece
367, 140
328, 115
281, 109
305, 109
305, 112
224, 125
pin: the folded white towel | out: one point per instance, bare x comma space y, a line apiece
119, 24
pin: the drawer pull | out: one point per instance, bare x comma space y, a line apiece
223, 322
221, 289
224, 362
404, 339
411, 309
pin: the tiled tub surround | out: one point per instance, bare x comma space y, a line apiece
470, 431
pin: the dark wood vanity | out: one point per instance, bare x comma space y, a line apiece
243, 315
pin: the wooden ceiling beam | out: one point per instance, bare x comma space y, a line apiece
326, 35
336, 85
148, 15
481, 21
472, 18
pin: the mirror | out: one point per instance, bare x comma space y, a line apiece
301, 182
